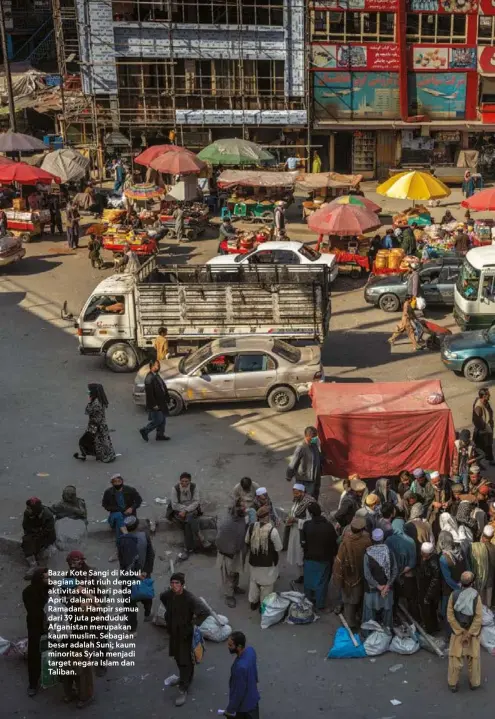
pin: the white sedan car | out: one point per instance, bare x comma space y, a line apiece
279, 253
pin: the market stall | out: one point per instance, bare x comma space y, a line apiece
195, 217
114, 235
325, 187
235, 151
356, 424
243, 241
254, 193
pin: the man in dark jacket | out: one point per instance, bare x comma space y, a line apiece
120, 501
136, 554
182, 611
306, 462
351, 502
38, 525
408, 240
157, 401
319, 543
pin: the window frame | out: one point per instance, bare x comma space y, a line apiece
348, 33
435, 37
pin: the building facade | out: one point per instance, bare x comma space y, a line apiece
205, 69
408, 81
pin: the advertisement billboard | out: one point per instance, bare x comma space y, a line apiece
356, 95
372, 56
441, 96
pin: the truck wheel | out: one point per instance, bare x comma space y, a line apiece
26, 237
282, 399
476, 370
176, 404
170, 234
120, 357
191, 235
389, 302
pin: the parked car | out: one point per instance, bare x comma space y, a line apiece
437, 278
11, 250
236, 369
278, 253
470, 353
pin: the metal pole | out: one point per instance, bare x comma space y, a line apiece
6, 65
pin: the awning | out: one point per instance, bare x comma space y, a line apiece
311, 181
252, 178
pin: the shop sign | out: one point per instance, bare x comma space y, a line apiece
411, 142
434, 58
372, 56
368, 5
487, 7
444, 6
486, 60
356, 95
440, 97
448, 136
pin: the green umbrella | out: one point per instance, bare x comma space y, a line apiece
235, 152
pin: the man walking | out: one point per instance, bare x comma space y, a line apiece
264, 545
306, 462
464, 614
157, 401
182, 611
230, 542
243, 685
319, 543
483, 423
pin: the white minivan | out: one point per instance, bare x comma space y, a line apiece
474, 295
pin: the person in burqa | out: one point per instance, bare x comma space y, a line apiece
96, 440
35, 597
464, 614
38, 525
182, 611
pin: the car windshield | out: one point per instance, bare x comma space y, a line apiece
239, 258
187, 364
309, 253
469, 281
286, 351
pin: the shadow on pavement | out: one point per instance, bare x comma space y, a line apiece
30, 266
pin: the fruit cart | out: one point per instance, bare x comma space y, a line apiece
242, 243
195, 219
114, 240
27, 224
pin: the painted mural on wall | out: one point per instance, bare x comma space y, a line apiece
356, 95
434, 58
372, 56
442, 6
371, 5
440, 97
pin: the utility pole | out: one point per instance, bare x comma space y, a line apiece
6, 65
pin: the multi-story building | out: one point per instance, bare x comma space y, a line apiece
29, 31
203, 68
392, 80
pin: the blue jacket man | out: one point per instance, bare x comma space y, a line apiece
243, 684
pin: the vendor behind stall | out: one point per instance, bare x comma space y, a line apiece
227, 230
408, 240
461, 240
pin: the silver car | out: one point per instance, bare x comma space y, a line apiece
233, 369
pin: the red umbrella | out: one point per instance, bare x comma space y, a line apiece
180, 162
151, 153
484, 200
344, 220
6, 161
26, 174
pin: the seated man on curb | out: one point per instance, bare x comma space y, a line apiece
38, 525
185, 509
120, 501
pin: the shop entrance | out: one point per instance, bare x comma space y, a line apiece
343, 152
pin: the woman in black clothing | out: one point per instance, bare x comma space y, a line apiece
35, 597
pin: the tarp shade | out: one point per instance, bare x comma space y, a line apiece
312, 181
380, 429
252, 178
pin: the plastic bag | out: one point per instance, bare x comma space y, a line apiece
440, 643
378, 641
343, 647
273, 608
404, 645
487, 619
198, 646
215, 632
487, 639
143, 590
70, 533
159, 618
301, 613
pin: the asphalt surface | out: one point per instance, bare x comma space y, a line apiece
43, 388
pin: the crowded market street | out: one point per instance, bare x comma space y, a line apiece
43, 387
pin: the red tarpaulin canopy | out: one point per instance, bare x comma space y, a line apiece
378, 430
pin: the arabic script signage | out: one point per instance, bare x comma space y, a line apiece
433, 58
354, 95
372, 56
441, 96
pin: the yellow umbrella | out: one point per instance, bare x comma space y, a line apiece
413, 186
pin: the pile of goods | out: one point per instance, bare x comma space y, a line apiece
482, 232
419, 214
389, 260
113, 216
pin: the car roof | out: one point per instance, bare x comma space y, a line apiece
252, 343
280, 245
481, 256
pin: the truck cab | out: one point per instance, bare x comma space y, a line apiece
475, 290
107, 323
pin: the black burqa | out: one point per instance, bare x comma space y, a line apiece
35, 597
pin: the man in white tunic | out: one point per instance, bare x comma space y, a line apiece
297, 516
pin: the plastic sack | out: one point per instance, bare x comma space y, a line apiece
440, 643
487, 619
301, 613
273, 608
343, 647
215, 632
70, 533
487, 639
404, 645
378, 641
159, 618
198, 646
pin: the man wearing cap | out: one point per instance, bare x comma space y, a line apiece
261, 499
380, 573
372, 512
306, 463
475, 480
348, 570
487, 540
319, 543
350, 503
38, 526
464, 455
464, 614
457, 490
182, 611
264, 545
298, 514
120, 501
422, 488
429, 587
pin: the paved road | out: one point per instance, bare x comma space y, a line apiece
43, 388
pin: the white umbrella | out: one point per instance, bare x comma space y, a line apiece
68, 164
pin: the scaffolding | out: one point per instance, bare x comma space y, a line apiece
152, 89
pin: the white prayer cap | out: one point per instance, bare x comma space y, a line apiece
299, 487
488, 531
377, 535
427, 548
260, 491
434, 475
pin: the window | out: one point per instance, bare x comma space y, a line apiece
105, 305
488, 291
353, 26
309, 253
486, 24
255, 363
468, 282
287, 351
436, 28
286, 257
265, 257
189, 363
221, 364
